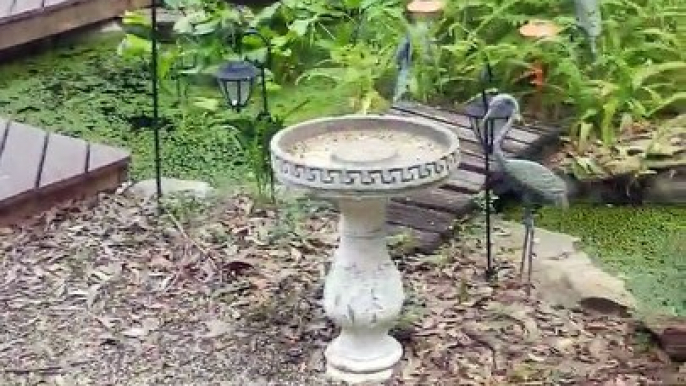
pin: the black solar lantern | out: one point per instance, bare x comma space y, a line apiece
236, 80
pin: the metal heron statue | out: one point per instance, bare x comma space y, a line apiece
536, 183
403, 58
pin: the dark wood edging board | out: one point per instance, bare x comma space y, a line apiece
429, 216
39, 170
25, 21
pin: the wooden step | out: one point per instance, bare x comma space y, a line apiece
40, 169
431, 213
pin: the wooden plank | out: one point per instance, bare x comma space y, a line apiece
106, 180
51, 3
468, 140
439, 199
101, 156
6, 7
420, 241
21, 6
4, 126
59, 17
434, 113
458, 117
465, 181
419, 218
65, 159
516, 141
21, 159
467, 146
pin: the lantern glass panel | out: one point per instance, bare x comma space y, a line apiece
237, 93
236, 80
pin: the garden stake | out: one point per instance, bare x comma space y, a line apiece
535, 182
486, 78
484, 130
156, 106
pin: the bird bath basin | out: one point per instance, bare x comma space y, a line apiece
360, 161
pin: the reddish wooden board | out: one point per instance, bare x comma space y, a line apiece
40, 170
51, 3
429, 215
20, 160
21, 6
65, 158
26, 21
6, 7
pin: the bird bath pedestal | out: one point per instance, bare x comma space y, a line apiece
360, 161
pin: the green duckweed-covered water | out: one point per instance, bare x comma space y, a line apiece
84, 89
644, 245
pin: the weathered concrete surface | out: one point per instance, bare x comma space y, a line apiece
563, 274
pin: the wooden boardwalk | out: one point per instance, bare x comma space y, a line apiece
39, 170
429, 216
25, 21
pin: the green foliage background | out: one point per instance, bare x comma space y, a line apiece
84, 89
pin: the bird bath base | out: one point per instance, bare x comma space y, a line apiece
363, 294
362, 161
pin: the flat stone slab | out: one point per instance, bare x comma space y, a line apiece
563, 274
197, 189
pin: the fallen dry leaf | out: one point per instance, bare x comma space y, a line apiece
231, 295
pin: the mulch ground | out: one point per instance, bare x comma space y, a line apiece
228, 293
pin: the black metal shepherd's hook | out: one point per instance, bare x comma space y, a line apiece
156, 104
486, 79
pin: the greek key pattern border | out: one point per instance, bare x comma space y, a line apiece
389, 177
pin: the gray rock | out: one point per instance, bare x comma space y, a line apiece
170, 186
666, 187
564, 275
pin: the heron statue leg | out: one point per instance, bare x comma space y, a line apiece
532, 229
529, 228
525, 245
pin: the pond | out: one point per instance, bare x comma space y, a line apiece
644, 245
82, 88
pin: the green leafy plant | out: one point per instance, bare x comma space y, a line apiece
253, 137
358, 67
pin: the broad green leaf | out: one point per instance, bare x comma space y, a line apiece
585, 130
300, 26
206, 28
136, 18
646, 72
209, 104
183, 26
134, 46
607, 127
674, 98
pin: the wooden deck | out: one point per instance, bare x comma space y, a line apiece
25, 21
39, 170
429, 216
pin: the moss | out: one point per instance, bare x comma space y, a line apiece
647, 245
84, 89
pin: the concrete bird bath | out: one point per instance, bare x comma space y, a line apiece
360, 161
